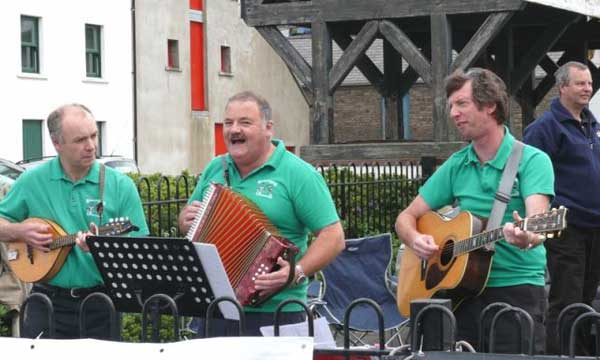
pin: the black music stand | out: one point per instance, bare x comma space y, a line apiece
135, 268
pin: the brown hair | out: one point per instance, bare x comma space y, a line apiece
263, 105
54, 120
488, 89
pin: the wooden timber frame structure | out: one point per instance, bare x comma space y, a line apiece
510, 37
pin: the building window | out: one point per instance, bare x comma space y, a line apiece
220, 147
30, 44
32, 139
100, 138
225, 59
172, 54
93, 50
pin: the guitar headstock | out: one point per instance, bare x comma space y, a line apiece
548, 224
117, 226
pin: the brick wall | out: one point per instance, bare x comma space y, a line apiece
357, 116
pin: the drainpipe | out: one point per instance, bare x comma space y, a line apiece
134, 75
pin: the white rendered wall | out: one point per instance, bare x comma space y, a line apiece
62, 77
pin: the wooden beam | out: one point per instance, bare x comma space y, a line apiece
392, 68
303, 12
595, 76
352, 54
531, 58
288, 53
441, 58
409, 51
321, 129
359, 10
525, 99
378, 151
364, 64
492, 25
549, 80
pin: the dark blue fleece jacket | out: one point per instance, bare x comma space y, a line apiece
574, 148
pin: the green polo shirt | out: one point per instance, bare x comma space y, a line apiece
46, 192
473, 185
290, 192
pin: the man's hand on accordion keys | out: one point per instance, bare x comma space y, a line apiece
271, 282
187, 216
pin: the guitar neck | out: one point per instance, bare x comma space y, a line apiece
70, 239
477, 241
62, 241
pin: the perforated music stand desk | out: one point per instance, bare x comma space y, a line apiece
135, 268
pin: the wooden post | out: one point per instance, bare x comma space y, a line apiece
505, 63
441, 59
526, 101
321, 129
392, 69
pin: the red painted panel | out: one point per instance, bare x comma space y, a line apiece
196, 4
220, 147
197, 65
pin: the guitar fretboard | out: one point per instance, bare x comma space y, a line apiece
479, 240
63, 241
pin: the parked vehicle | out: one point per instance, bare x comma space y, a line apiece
9, 171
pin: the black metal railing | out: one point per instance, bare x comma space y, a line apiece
368, 197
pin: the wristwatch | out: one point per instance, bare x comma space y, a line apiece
300, 275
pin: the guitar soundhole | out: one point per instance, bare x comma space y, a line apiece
446, 253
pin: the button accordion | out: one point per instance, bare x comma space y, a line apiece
247, 242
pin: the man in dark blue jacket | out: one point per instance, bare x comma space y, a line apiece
570, 135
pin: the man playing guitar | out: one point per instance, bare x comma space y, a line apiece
67, 191
478, 104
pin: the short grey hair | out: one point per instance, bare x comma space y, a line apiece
562, 74
54, 120
266, 114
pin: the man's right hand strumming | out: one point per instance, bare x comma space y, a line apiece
424, 246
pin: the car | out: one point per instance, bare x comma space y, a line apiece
9, 172
120, 163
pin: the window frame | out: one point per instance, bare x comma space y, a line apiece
33, 47
94, 54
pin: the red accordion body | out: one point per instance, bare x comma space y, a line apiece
247, 242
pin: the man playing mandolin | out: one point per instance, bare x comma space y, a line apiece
68, 190
478, 104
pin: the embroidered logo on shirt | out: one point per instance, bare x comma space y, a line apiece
91, 207
265, 188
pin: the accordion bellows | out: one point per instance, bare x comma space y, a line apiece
247, 242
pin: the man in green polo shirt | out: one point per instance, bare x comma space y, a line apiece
66, 190
289, 191
478, 105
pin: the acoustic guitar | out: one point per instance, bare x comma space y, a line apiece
33, 265
460, 268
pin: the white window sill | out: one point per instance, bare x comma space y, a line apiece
172, 69
94, 80
225, 74
32, 76
200, 115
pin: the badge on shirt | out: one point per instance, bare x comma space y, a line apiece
91, 207
265, 188
598, 133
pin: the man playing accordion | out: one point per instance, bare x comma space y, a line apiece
289, 191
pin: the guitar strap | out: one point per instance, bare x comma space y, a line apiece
100, 206
225, 169
502, 197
